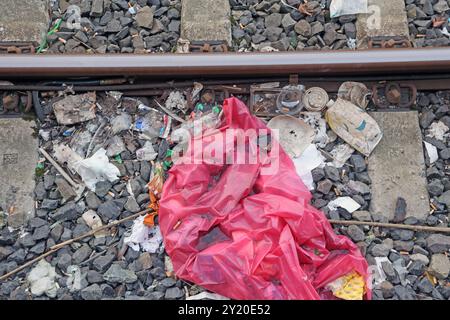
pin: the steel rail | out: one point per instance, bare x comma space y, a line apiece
305, 63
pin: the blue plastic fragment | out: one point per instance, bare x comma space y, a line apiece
362, 126
68, 132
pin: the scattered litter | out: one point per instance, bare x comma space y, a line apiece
379, 276
115, 146
345, 7
290, 99
120, 123
315, 99
209, 216
44, 134
93, 220
432, 152
195, 94
147, 153
207, 296
355, 92
176, 100
168, 266
80, 142
310, 159
401, 270
351, 43
294, 134
266, 49
75, 108
97, 168
346, 203
354, 126
144, 238
155, 187
315, 121
116, 95
75, 279
341, 153
153, 124
42, 280
183, 46
194, 127
348, 287
438, 130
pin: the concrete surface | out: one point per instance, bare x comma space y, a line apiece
206, 20
23, 20
397, 166
392, 18
18, 159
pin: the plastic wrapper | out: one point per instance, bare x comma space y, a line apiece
247, 235
97, 168
143, 238
354, 126
345, 7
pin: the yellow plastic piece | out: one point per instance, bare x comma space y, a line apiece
352, 287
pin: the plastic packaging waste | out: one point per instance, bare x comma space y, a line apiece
94, 221
438, 130
310, 159
147, 153
115, 146
315, 99
294, 134
345, 7
432, 152
92, 170
42, 279
354, 126
75, 278
315, 121
153, 124
341, 153
144, 238
355, 92
97, 168
247, 235
120, 123
346, 203
290, 99
348, 287
176, 101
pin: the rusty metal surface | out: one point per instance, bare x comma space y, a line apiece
16, 48
331, 63
389, 42
402, 95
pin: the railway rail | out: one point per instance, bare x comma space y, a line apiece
425, 71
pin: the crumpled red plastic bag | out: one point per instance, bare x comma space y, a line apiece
244, 235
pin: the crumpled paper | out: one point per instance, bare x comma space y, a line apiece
346, 203
97, 168
92, 170
144, 238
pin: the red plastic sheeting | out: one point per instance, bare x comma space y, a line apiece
245, 235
